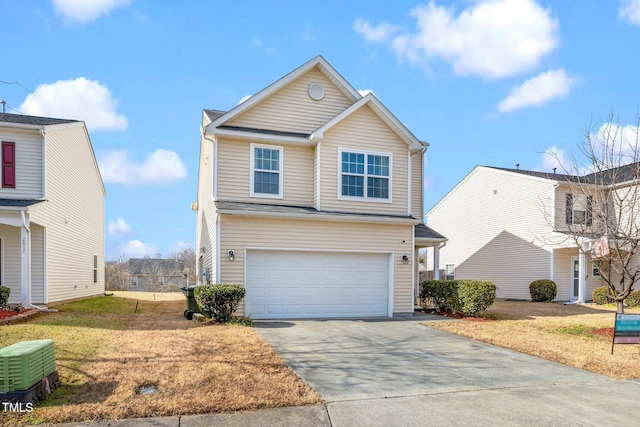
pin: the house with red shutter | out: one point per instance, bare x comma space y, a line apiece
51, 211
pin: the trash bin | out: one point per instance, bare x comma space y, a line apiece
192, 305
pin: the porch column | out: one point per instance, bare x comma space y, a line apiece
25, 285
436, 262
582, 282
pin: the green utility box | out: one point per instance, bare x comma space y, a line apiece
26, 363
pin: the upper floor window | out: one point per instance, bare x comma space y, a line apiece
366, 175
579, 209
266, 171
450, 272
8, 164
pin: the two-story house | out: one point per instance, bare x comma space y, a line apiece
51, 211
310, 195
513, 226
156, 275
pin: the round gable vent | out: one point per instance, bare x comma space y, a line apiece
316, 91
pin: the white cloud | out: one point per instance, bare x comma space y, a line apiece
630, 10
244, 98
162, 167
494, 39
137, 249
180, 246
83, 11
119, 228
622, 141
79, 99
374, 34
555, 157
365, 92
538, 90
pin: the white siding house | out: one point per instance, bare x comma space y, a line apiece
310, 196
506, 226
51, 211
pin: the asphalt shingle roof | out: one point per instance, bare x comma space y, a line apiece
615, 175
424, 232
164, 267
214, 114
32, 120
18, 203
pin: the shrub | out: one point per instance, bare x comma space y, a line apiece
475, 296
468, 297
441, 293
633, 300
543, 290
4, 295
219, 302
602, 296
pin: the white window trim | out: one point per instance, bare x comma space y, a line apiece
280, 171
445, 271
364, 198
574, 210
594, 267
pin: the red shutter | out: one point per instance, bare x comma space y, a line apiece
8, 164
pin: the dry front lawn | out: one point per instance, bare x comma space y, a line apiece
106, 354
569, 334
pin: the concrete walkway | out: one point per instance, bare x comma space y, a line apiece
400, 373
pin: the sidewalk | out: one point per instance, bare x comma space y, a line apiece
308, 416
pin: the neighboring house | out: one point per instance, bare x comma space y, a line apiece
509, 226
51, 211
156, 274
309, 195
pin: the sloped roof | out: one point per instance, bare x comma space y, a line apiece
214, 114
160, 266
18, 203
615, 175
424, 232
32, 120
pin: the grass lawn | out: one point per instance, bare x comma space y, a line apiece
569, 334
106, 353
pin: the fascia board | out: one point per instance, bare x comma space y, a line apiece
320, 217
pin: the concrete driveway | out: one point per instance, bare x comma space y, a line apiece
399, 372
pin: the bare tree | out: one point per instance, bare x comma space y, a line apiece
187, 259
604, 203
152, 274
116, 274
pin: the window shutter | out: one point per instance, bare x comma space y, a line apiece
569, 208
589, 210
8, 164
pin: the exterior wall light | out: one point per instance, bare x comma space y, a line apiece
231, 255
405, 259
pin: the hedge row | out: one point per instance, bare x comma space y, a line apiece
602, 296
467, 297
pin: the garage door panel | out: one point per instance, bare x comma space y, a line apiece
298, 284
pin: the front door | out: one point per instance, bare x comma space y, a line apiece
575, 277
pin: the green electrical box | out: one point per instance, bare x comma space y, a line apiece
24, 364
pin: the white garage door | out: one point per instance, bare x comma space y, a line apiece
315, 284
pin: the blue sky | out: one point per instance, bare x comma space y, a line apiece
484, 82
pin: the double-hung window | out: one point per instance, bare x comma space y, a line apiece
579, 209
266, 171
365, 175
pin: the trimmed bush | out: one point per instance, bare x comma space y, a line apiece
443, 294
633, 300
602, 296
219, 302
543, 290
4, 295
468, 297
475, 296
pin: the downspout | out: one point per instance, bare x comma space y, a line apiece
28, 255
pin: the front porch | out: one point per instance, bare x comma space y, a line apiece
426, 237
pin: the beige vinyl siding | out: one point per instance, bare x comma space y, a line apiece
73, 216
416, 186
562, 274
496, 228
290, 109
28, 164
239, 233
37, 263
234, 174
11, 261
626, 205
363, 130
206, 225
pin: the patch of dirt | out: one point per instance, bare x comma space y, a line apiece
603, 332
6, 313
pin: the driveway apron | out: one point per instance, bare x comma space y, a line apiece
399, 372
